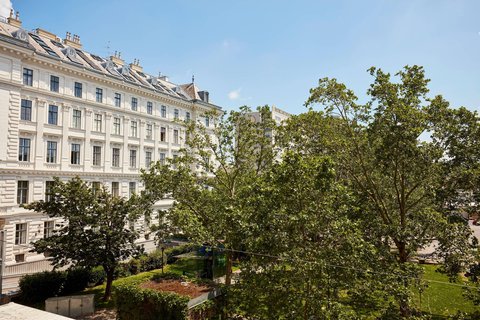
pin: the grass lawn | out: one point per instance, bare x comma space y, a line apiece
441, 299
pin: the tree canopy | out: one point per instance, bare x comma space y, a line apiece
92, 227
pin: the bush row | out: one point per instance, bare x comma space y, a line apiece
40, 286
37, 287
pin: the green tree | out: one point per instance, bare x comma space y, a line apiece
94, 229
393, 172
211, 177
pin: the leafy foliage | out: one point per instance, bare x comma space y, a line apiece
95, 230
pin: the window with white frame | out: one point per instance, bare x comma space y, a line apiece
115, 157
97, 122
148, 158
26, 110
75, 153
175, 136
116, 125
133, 129
149, 130
97, 156
24, 149
162, 157
48, 190
133, 158
132, 188
149, 107
22, 192
52, 114
20, 233
48, 227
77, 119
163, 134
163, 111
115, 189
51, 152
118, 99
134, 104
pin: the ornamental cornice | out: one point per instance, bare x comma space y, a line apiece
50, 173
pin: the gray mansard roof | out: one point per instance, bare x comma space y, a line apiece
70, 51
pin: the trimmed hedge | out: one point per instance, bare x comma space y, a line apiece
40, 286
37, 287
135, 303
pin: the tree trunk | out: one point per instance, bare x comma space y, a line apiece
108, 287
228, 273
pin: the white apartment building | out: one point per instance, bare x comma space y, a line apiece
66, 112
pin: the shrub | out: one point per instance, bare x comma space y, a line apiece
135, 303
40, 286
76, 280
97, 276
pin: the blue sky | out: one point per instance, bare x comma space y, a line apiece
272, 52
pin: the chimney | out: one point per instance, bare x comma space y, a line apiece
136, 65
73, 42
46, 34
14, 21
116, 58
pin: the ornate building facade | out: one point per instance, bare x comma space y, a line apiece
66, 112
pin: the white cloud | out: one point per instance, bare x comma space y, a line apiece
234, 94
5, 6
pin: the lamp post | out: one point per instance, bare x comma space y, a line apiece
2, 262
163, 249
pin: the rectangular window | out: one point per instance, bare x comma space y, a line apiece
22, 192
48, 190
116, 125
26, 110
78, 89
27, 77
97, 121
51, 152
162, 158
48, 227
77, 119
24, 149
99, 95
164, 111
134, 104
21, 233
115, 157
176, 113
118, 99
133, 129
52, 114
75, 154
132, 186
207, 121
115, 189
95, 187
149, 131
163, 133
187, 116
97, 156
54, 84
133, 158
175, 136
20, 257
149, 107
148, 158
